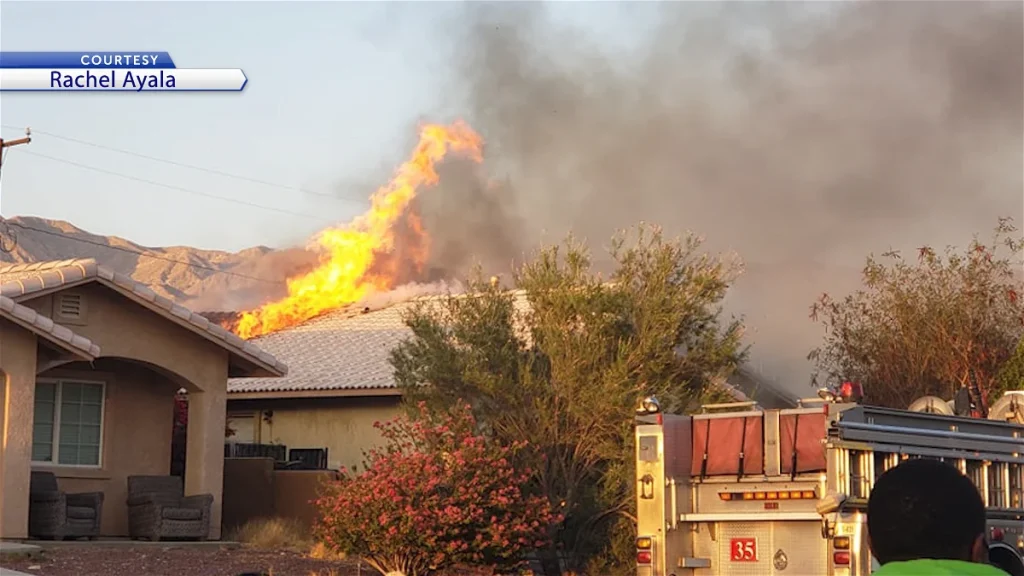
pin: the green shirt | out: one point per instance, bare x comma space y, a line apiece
937, 568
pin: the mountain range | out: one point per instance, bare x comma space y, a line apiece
199, 279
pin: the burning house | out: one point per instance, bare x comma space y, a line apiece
340, 321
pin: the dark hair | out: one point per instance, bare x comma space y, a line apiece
924, 509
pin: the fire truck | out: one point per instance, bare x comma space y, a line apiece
738, 490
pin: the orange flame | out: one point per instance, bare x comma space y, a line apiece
346, 274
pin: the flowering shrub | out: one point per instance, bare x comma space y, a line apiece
435, 496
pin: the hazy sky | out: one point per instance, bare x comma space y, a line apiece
335, 91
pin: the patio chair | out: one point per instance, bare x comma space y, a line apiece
56, 515
158, 509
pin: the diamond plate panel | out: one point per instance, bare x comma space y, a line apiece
804, 550
762, 532
803, 546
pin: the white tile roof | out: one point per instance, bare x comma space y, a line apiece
347, 349
21, 280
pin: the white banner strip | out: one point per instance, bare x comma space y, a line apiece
122, 80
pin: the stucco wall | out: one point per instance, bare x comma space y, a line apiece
253, 490
139, 408
343, 425
17, 394
137, 420
125, 329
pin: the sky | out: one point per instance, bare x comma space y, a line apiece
335, 92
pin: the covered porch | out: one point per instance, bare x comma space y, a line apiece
95, 418
95, 424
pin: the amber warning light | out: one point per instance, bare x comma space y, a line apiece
110, 72
772, 495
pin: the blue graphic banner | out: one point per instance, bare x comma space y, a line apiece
76, 60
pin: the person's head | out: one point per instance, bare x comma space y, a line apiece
926, 509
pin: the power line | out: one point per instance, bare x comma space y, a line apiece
170, 186
193, 166
140, 253
5, 231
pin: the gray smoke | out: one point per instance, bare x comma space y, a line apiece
803, 136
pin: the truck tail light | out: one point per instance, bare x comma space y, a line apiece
841, 542
644, 543
841, 558
643, 557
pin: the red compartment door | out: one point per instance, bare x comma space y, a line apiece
804, 433
724, 438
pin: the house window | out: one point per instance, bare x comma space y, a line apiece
68, 425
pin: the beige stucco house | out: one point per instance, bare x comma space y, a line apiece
339, 383
90, 362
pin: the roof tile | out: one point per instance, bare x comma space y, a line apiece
22, 279
62, 332
342, 350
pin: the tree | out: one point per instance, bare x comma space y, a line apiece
438, 494
1011, 375
565, 372
929, 326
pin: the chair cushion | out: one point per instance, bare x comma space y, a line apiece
81, 513
182, 513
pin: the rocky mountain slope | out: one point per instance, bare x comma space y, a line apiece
199, 279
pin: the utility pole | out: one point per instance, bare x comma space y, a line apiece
5, 144
8, 240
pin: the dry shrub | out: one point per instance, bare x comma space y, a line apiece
321, 552
274, 534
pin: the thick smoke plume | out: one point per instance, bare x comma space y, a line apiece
803, 136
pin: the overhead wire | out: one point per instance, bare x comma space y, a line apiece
167, 186
170, 186
190, 166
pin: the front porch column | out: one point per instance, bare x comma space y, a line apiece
18, 385
204, 459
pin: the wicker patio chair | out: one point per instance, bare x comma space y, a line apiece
158, 509
56, 515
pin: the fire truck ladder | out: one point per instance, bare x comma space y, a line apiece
921, 429
870, 440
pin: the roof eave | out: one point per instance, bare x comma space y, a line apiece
252, 364
76, 353
248, 367
27, 296
304, 394
265, 368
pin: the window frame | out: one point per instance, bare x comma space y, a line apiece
55, 436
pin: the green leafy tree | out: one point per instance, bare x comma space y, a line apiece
927, 326
1011, 375
561, 363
